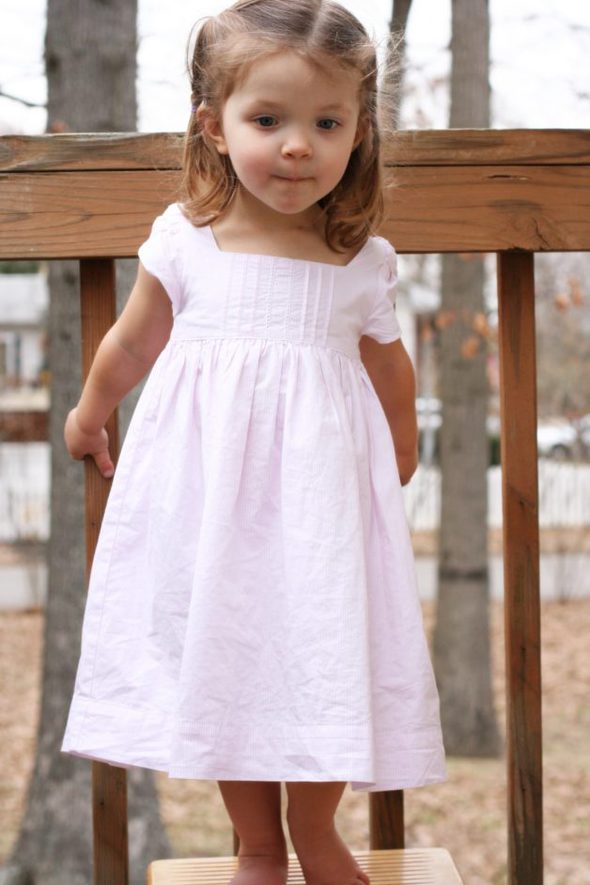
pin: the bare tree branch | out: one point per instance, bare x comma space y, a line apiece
28, 104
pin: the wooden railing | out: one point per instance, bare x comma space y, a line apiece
93, 197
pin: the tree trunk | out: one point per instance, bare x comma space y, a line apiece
90, 54
393, 81
462, 635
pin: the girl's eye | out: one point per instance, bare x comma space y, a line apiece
328, 128
265, 121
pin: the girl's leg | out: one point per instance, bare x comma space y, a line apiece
255, 811
324, 858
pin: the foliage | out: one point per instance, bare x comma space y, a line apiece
15, 267
563, 334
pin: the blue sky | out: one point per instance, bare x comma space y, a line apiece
540, 72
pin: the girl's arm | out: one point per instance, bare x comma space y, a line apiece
391, 372
124, 356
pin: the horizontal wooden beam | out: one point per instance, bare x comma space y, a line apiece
429, 209
77, 151
488, 147
489, 208
440, 147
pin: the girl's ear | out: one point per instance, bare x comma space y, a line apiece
212, 128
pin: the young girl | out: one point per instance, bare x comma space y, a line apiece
252, 614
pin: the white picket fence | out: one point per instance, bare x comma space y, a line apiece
564, 500
24, 492
564, 494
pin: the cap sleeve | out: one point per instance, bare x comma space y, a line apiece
382, 323
158, 254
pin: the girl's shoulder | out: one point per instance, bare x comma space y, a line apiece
384, 256
174, 215
381, 246
173, 228
171, 217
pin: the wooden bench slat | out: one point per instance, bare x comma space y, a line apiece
410, 866
466, 209
163, 150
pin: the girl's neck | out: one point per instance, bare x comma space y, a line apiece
248, 213
250, 227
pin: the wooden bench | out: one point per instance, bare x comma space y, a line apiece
410, 866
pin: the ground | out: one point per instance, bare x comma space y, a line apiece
467, 814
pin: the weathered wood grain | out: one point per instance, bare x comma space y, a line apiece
521, 567
80, 214
439, 147
429, 209
386, 820
487, 208
90, 152
487, 147
109, 808
109, 783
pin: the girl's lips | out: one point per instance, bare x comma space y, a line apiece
289, 178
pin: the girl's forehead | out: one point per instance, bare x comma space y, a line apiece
282, 73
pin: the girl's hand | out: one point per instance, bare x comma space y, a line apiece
79, 444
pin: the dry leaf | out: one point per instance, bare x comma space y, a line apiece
470, 347
444, 318
480, 325
427, 334
562, 301
576, 294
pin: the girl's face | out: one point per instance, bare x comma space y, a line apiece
289, 130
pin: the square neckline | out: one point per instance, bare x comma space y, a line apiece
285, 257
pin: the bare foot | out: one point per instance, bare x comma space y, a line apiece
327, 861
261, 869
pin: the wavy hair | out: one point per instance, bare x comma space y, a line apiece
327, 36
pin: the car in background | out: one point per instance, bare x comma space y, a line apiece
583, 429
557, 438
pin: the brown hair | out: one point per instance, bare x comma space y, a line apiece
325, 34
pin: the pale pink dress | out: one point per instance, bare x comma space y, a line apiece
252, 611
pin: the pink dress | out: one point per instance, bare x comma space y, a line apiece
252, 611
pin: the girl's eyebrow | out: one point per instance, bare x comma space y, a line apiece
269, 103
274, 105
336, 106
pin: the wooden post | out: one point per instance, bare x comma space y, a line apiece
521, 566
386, 820
109, 814
109, 783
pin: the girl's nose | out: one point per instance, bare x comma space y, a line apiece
296, 146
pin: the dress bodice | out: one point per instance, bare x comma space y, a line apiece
218, 294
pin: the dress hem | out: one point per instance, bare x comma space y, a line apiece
174, 773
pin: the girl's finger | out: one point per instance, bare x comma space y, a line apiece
104, 464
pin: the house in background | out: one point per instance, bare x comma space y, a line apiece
24, 301
24, 449
24, 391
